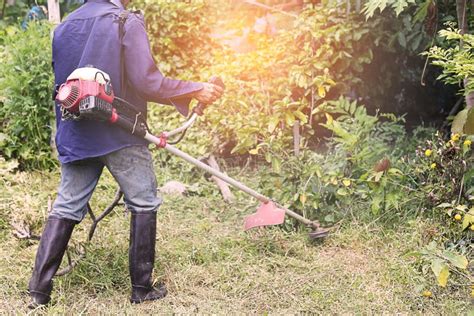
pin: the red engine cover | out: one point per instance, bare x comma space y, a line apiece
73, 91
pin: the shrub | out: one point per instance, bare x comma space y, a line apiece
444, 172
26, 110
455, 61
269, 87
457, 67
353, 175
284, 78
179, 33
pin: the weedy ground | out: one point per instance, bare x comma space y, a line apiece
211, 266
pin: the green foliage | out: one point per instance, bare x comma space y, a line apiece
16, 13
444, 169
414, 25
371, 6
372, 170
284, 78
13, 13
457, 62
26, 109
270, 86
443, 172
354, 171
179, 33
442, 262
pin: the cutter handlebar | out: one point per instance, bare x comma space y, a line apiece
197, 111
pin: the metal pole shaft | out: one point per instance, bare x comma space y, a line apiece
226, 178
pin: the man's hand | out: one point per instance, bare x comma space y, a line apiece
209, 93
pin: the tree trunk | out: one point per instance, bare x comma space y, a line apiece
54, 14
358, 5
461, 11
3, 8
296, 138
469, 96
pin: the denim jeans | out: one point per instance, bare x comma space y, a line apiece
132, 168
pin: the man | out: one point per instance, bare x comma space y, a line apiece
36, 13
92, 35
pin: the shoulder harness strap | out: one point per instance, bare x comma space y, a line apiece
122, 19
123, 16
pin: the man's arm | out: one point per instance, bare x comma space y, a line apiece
147, 79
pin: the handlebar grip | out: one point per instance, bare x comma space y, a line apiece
217, 81
199, 109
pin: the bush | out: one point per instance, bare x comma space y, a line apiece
179, 33
270, 86
444, 171
455, 61
26, 109
353, 176
284, 78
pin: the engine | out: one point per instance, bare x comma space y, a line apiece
87, 93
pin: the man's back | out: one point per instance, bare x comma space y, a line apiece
90, 36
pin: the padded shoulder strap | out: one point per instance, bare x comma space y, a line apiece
122, 19
123, 16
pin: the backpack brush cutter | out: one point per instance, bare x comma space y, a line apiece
88, 94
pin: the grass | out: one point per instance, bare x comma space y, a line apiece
211, 266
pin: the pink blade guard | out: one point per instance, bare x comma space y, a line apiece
267, 214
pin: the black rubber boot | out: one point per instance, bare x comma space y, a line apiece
53, 243
142, 258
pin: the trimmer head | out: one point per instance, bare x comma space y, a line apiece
267, 214
319, 233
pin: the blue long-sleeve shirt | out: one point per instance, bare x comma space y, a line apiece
90, 36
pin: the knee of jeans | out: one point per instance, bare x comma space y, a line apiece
136, 206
